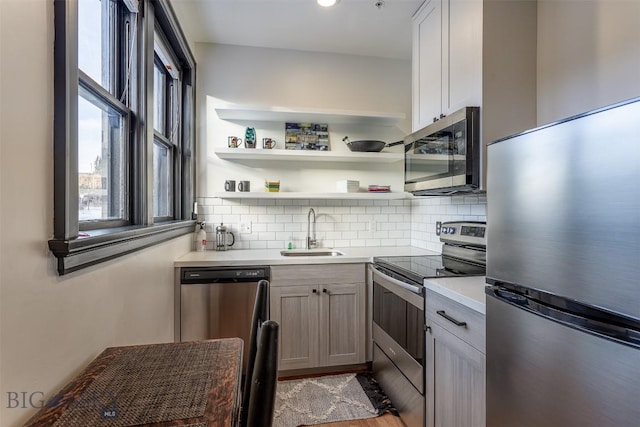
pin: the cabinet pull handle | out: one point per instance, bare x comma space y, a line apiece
315, 291
325, 291
451, 319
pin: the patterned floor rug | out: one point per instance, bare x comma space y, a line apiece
329, 398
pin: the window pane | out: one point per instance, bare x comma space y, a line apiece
94, 39
159, 98
162, 181
101, 161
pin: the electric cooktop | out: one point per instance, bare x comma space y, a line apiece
463, 254
418, 268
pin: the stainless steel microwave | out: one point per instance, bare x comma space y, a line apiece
445, 157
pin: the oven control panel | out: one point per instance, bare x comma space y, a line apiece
464, 233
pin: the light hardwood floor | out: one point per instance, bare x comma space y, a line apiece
386, 420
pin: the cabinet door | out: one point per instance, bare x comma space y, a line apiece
342, 324
455, 378
427, 64
295, 308
462, 53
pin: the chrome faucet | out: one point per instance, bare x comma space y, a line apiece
311, 243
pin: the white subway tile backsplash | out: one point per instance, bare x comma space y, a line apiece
349, 218
464, 210
292, 226
478, 209
257, 244
275, 227
239, 210
387, 226
381, 218
324, 226
266, 235
350, 235
292, 209
287, 219
340, 223
256, 210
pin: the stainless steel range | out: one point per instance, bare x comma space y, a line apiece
398, 311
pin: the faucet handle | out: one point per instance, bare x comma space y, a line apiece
311, 243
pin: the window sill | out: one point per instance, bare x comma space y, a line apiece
106, 244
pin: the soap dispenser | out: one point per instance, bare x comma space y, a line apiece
201, 238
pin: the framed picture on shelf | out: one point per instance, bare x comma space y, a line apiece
306, 136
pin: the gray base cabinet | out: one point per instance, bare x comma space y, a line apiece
321, 312
454, 364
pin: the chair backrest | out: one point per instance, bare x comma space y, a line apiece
260, 314
265, 377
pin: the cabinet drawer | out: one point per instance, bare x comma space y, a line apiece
446, 312
317, 274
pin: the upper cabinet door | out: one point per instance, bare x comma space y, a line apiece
447, 58
462, 82
427, 64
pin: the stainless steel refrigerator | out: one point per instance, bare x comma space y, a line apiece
563, 264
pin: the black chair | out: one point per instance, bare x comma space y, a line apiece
265, 377
260, 315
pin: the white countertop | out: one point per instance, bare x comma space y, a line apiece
468, 291
272, 256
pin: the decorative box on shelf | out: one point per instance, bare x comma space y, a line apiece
348, 186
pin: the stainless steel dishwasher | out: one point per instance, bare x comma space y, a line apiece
217, 302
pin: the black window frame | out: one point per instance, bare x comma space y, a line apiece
77, 247
169, 136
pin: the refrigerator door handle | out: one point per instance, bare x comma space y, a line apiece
617, 328
512, 297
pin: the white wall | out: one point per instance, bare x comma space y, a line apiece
294, 79
588, 55
51, 327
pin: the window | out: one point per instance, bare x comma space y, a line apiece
166, 126
106, 33
102, 162
123, 126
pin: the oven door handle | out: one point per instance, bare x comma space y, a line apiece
418, 290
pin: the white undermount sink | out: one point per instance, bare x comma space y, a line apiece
311, 252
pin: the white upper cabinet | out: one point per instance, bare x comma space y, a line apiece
462, 54
476, 53
447, 59
427, 64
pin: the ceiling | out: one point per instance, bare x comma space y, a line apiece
356, 27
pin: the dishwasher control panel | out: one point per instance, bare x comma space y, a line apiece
189, 275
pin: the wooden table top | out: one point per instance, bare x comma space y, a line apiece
157, 385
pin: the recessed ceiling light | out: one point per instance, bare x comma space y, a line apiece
326, 3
